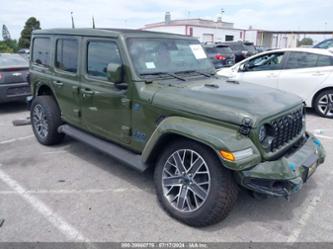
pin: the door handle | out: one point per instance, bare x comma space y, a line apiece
58, 83
87, 92
272, 75
318, 74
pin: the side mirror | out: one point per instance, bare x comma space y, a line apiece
244, 67
115, 73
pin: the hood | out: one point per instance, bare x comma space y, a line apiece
225, 101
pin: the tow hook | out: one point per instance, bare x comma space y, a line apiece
287, 196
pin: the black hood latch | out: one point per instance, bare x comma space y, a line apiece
246, 126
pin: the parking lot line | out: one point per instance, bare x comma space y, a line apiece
293, 237
323, 137
319, 133
16, 139
63, 226
71, 191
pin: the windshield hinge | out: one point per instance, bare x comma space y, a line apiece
246, 126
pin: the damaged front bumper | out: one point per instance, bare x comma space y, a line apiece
286, 175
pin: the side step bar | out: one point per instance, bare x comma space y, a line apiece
111, 149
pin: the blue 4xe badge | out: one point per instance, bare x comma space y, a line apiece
139, 136
136, 107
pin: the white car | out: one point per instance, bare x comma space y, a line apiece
307, 72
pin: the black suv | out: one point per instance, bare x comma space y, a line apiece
220, 55
241, 50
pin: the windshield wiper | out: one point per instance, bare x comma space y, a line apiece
166, 73
208, 75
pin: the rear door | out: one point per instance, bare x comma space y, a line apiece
105, 107
263, 70
66, 77
304, 73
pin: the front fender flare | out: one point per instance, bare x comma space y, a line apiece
216, 137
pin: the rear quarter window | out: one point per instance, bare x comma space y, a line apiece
41, 51
324, 61
301, 60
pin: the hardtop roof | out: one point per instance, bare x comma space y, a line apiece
107, 32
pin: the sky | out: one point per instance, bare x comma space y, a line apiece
261, 14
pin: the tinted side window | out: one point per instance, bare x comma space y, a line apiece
41, 51
100, 54
324, 61
266, 62
67, 55
301, 60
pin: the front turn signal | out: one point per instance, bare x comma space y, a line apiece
227, 155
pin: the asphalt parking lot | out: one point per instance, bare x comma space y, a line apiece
72, 192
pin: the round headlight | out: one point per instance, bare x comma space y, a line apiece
262, 134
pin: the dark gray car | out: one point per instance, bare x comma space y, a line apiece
14, 71
220, 55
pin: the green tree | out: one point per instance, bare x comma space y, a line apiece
4, 48
305, 42
8, 46
31, 24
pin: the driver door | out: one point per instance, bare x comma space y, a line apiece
263, 70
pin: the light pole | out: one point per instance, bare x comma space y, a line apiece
222, 12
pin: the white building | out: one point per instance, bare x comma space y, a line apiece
204, 30
219, 31
271, 39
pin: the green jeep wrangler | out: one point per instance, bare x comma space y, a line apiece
153, 100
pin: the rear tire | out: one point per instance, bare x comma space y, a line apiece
323, 104
218, 196
45, 119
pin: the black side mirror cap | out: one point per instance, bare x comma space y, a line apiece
115, 73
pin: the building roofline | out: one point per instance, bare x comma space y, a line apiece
189, 25
183, 20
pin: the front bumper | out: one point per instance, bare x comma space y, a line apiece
14, 92
286, 175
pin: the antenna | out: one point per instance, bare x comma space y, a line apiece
93, 22
73, 26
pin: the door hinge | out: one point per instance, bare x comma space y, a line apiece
126, 133
126, 102
77, 112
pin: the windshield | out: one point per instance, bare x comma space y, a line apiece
155, 55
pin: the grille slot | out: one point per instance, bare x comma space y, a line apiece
286, 128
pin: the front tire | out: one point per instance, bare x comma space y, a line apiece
45, 119
192, 185
323, 104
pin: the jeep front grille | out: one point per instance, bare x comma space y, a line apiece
286, 128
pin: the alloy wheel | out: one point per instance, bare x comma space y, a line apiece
186, 180
325, 105
39, 121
